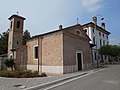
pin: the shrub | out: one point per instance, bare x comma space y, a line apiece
36, 73
21, 74
7, 74
10, 63
43, 74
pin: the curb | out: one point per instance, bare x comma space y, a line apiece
54, 82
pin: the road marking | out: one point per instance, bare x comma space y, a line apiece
111, 82
59, 84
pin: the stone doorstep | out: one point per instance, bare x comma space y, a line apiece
55, 82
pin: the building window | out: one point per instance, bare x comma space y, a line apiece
18, 24
95, 56
93, 30
103, 35
11, 24
36, 52
78, 33
107, 37
93, 40
100, 42
103, 42
17, 42
85, 30
99, 33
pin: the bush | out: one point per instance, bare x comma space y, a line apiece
35, 73
7, 73
21, 74
10, 63
43, 74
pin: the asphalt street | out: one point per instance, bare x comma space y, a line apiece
106, 79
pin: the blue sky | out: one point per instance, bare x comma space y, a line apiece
46, 15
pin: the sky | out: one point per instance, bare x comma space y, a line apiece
46, 15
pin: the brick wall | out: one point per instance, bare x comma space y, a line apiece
52, 49
21, 58
73, 44
30, 48
50, 53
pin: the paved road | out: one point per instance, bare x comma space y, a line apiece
14, 83
107, 79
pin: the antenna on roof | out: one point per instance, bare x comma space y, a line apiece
77, 20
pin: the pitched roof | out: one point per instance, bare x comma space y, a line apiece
16, 16
98, 27
40, 35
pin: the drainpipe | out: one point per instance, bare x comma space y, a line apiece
39, 55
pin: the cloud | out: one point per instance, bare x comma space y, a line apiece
92, 5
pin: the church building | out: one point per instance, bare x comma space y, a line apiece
61, 51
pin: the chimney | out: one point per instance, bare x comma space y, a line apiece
102, 24
60, 27
95, 20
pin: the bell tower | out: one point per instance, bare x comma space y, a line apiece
15, 34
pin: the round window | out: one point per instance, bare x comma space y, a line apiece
78, 33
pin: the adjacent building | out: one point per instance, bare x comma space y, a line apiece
99, 37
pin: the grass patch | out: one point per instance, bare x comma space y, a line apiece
21, 74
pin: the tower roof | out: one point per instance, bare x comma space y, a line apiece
16, 16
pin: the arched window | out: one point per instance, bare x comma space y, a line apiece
18, 24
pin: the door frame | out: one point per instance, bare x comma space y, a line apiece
81, 59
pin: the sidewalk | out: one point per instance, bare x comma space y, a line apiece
34, 83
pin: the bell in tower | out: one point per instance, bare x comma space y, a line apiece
15, 34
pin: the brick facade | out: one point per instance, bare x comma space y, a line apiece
57, 51
21, 58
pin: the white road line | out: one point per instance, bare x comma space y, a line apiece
71, 80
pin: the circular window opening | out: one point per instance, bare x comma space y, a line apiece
78, 33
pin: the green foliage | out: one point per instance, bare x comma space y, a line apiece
105, 50
21, 74
26, 36
110, 50
10, 62
115, 51
42, 74
3, 42
7, 74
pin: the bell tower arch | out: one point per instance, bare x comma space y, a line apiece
15, 34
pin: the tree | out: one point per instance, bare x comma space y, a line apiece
112, 51
10, 63
3, 42
26, 36
105, 50
115, 51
